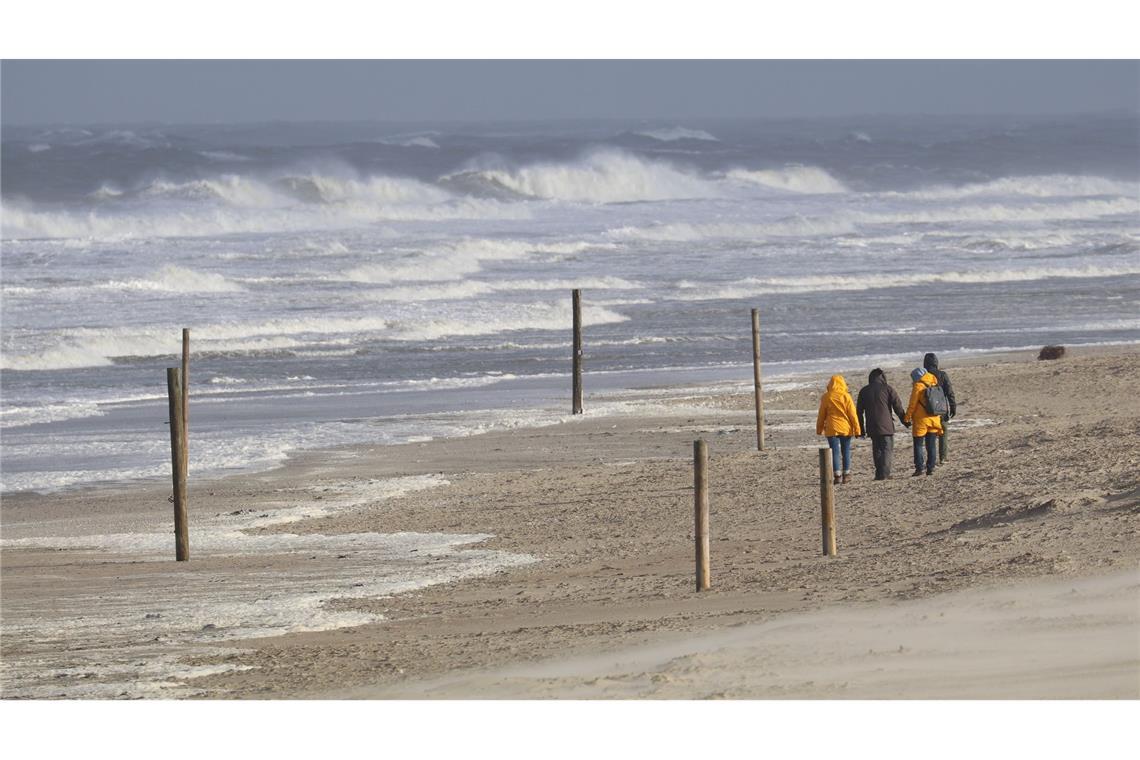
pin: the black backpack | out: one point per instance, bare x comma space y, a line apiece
934, 400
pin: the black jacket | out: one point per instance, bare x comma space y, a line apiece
930, 362
876, 401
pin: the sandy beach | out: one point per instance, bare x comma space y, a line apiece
557, 562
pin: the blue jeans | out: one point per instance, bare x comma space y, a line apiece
929, 442
840, 443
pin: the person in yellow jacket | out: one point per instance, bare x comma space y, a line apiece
924, 426
839, 422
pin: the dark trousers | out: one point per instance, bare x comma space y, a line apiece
929, 442
882, 447
944, 442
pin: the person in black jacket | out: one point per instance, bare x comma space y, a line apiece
930, 362
876, 401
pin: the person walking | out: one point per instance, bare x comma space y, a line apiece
930, 362
877, 399
838, 421
926, 428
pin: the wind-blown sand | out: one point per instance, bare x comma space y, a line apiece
1012, 572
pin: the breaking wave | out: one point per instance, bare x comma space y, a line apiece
175, 279
414, 141
1043, 186
797, 179
848, 222
251, 212
94, 347
455, 260
169, 279
694, 291
604, 176
673, 134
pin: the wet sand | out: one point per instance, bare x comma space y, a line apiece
585, 587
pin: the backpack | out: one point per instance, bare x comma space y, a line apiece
934, 400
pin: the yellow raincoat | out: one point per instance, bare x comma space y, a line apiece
921, 421
837, 410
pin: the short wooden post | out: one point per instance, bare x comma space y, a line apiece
701, 511
577, 402
178, 464
827, 502
756, 379
186, 391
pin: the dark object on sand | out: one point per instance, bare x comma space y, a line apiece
1051, 352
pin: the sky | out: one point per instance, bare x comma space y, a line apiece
232, 91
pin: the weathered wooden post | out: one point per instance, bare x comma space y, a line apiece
701, 511
186, 391
178, 463
756, 379
827, 502
577, 402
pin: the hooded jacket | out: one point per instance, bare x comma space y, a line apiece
922, 422
930, 362
837, 410
876, 401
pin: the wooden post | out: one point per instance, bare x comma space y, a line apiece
186, 391
178, 463
577, 402
701, 511
827, 502
756, 379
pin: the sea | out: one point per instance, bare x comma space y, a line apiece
348, 283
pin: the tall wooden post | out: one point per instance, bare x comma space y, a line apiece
178, 464
756, 379
701, 512
827, 502
577, 402
186, 391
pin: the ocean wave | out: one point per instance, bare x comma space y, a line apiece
223, 155
797, 179
546, 316
120, 137
15, 415
320, 188
848, 222
588, 283
226, 380
455, 260
94, 347
105, 192
1005, 212
1040, 186
169, 279
410, 141
248, 192
439, 291
673, 134
175, 279
696, 291
693, 231
22, 222
604, 176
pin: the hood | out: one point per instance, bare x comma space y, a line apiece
837, 384
876, 374
926, 379
930, 362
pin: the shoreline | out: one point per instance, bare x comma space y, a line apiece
605, 504
633, 397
